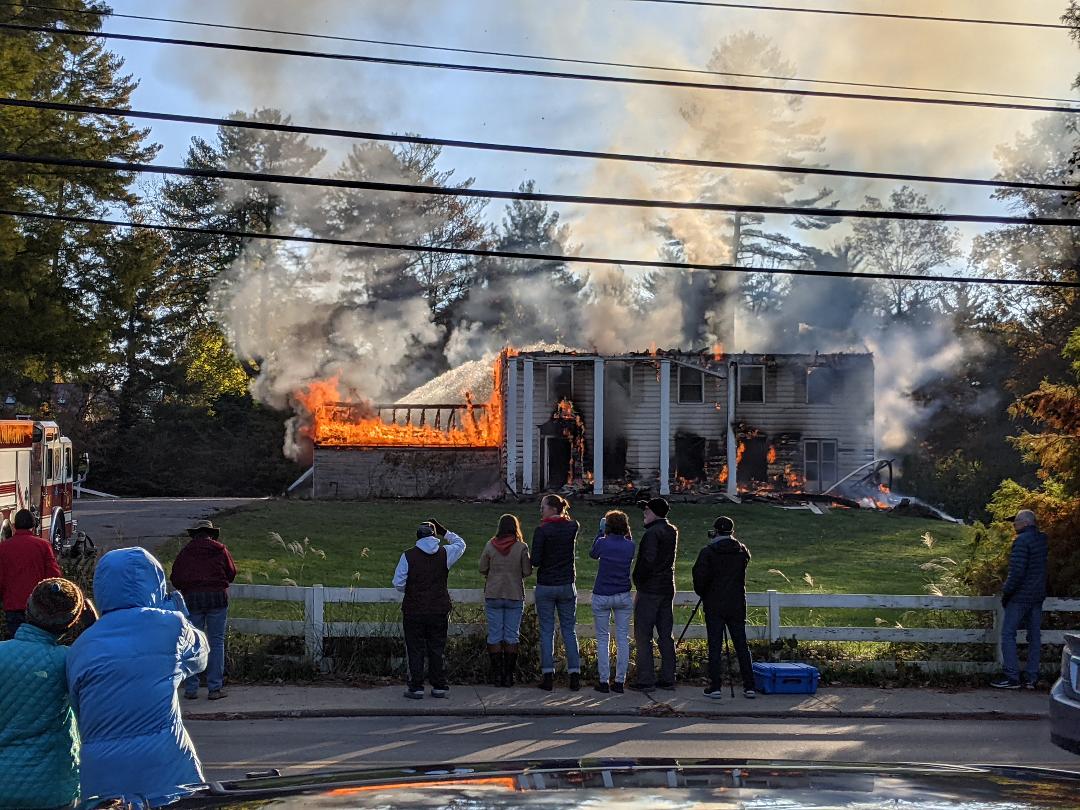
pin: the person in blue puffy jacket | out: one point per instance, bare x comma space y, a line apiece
1022, 598
39, 742
123, 674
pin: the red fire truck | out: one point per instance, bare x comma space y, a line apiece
37, 473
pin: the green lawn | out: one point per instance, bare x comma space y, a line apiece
845, 551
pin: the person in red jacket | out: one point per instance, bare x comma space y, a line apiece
25, 560
202, 572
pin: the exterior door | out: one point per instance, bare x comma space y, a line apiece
819, 464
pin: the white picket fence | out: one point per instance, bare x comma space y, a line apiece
314, 629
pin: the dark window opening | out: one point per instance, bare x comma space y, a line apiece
689, 456
615, 458
821, 385
752, 384
560, 383
754, 464
691, 385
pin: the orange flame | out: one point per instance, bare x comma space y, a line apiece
771, 456
718, 352
723, 476
341, 424
739, 453
791, 478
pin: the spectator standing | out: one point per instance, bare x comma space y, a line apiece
554, 547
505, 563
123, 674
654, 579
25, 560
611, 598
202, 572
39, 741
1022, 598
422, 574
720, 581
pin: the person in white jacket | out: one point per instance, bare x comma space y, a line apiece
421, 575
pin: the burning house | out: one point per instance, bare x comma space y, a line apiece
547, 420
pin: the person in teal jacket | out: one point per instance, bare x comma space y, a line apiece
39, 742
123, 674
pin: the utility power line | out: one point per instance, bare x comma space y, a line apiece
838, 12
564, 199
536, 73
663, 160
545, 257
533, 56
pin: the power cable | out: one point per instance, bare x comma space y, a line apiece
535, 73
546, 257
564, 199
87, 109
536, 57
838, 12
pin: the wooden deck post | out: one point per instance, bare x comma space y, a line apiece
511, 423
528, 383
598, 426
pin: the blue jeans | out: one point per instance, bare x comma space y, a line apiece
211, 622
1021, 616
622, 606
562, 598
503, 620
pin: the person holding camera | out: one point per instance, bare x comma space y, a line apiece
720, 580
422, 574
611, 597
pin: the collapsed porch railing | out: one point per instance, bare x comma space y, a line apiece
315, 629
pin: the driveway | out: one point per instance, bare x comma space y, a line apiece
146, 522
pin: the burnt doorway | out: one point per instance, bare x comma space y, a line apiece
618, 397
689, 456
754, 465
555, 458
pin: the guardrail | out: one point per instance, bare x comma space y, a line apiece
314, 629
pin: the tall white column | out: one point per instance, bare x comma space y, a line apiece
511, 423
528, 385
598, 426
665, 427
732, 451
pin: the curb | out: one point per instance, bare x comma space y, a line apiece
650, 712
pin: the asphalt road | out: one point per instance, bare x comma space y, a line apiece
231, 748
146, 522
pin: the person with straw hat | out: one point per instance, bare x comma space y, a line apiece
202, 572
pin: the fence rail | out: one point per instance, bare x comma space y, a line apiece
315, 629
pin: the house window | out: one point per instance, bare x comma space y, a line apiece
560, 383
821, 385
819, 457
752, 384
691, 385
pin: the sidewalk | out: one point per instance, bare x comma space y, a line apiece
267, 702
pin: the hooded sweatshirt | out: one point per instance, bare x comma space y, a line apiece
504, 571
425, 591
123, 673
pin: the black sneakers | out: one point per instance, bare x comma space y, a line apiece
602, 688
714, 692
618, 688
547, 682
667, 686
1005, 683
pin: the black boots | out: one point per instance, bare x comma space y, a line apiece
496, 657
509, 665
547, 682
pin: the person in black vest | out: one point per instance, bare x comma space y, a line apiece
654, 579
421, 575
720, 581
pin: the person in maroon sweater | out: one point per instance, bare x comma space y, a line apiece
202, 572
25, 560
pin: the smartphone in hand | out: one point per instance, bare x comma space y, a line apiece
603, 525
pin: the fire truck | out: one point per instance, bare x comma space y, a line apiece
37, 473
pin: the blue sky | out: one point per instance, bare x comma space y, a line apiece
598, 116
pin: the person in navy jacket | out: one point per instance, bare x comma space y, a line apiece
611, 598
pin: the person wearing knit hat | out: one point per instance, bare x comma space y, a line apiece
39, 751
